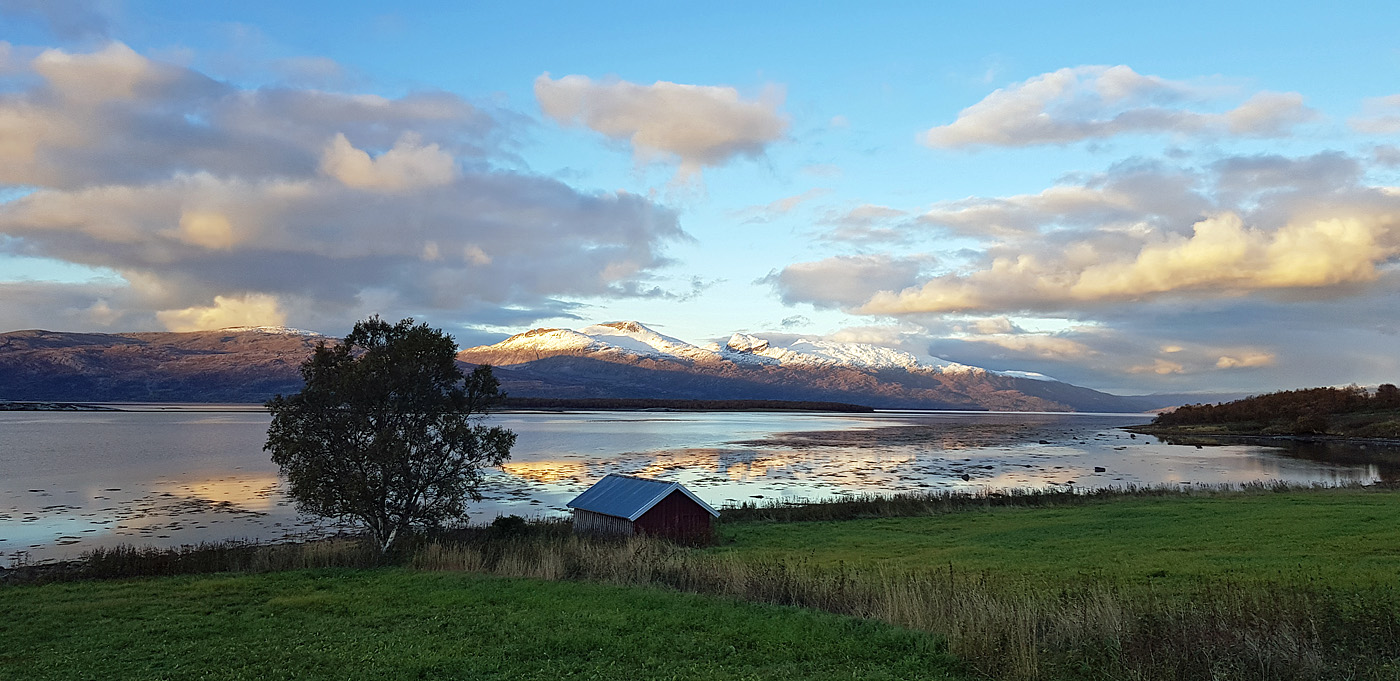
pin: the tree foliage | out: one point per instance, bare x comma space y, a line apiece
1303, 412
387, 430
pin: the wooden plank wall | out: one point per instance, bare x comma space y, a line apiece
588, 522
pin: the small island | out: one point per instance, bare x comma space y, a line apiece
1351, 412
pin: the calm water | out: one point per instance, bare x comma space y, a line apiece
70, 481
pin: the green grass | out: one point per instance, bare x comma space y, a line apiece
398, 624
1264, 584
1337, 537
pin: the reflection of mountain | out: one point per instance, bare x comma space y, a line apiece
626, 359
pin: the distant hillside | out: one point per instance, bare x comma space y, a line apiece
1345, 412
230, 365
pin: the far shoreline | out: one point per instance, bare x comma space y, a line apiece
510, 405
1214, 435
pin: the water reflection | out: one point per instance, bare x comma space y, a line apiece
1382, 458
73, 481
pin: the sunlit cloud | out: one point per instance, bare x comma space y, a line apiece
696, 125
409, 165
1251, 359
215, 202
1222, 256
1096, 102
250, 310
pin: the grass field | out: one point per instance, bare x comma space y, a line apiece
1263, 584
398, 624
1336, 537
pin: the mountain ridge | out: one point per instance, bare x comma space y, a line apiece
628, 359
612, 360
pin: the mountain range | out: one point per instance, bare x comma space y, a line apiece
618, 359
610, 360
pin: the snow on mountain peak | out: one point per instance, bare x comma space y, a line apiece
742, 342
817, 351
636, 338
280, 330
632, 338
548, 339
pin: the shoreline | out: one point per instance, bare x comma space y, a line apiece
1213, 435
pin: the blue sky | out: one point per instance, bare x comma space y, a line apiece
1196, 196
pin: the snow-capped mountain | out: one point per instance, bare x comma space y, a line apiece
627, 359
275, 330
633, 339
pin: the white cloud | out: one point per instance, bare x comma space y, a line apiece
116, 116
865, 223
1095, 102
114, 72
1248, 359
1379, 116
1139, 232
843, 280
698, 125
208, 229
1042, 346
214, 201
409, 165
778, 208
1124, 200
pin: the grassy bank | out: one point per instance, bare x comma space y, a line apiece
1337, 537
397, 624
1264, 583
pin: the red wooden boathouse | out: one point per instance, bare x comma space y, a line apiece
626, 505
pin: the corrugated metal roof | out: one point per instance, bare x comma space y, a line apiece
628, 496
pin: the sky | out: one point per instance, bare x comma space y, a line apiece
1170, 198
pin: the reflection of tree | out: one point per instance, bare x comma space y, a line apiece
1351, 411
1385, 457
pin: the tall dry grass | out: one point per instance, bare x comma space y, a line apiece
875, 505
1094, 628
1004, 630
230, 556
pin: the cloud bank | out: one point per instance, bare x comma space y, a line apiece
222, 204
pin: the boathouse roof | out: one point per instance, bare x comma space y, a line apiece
628, 496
